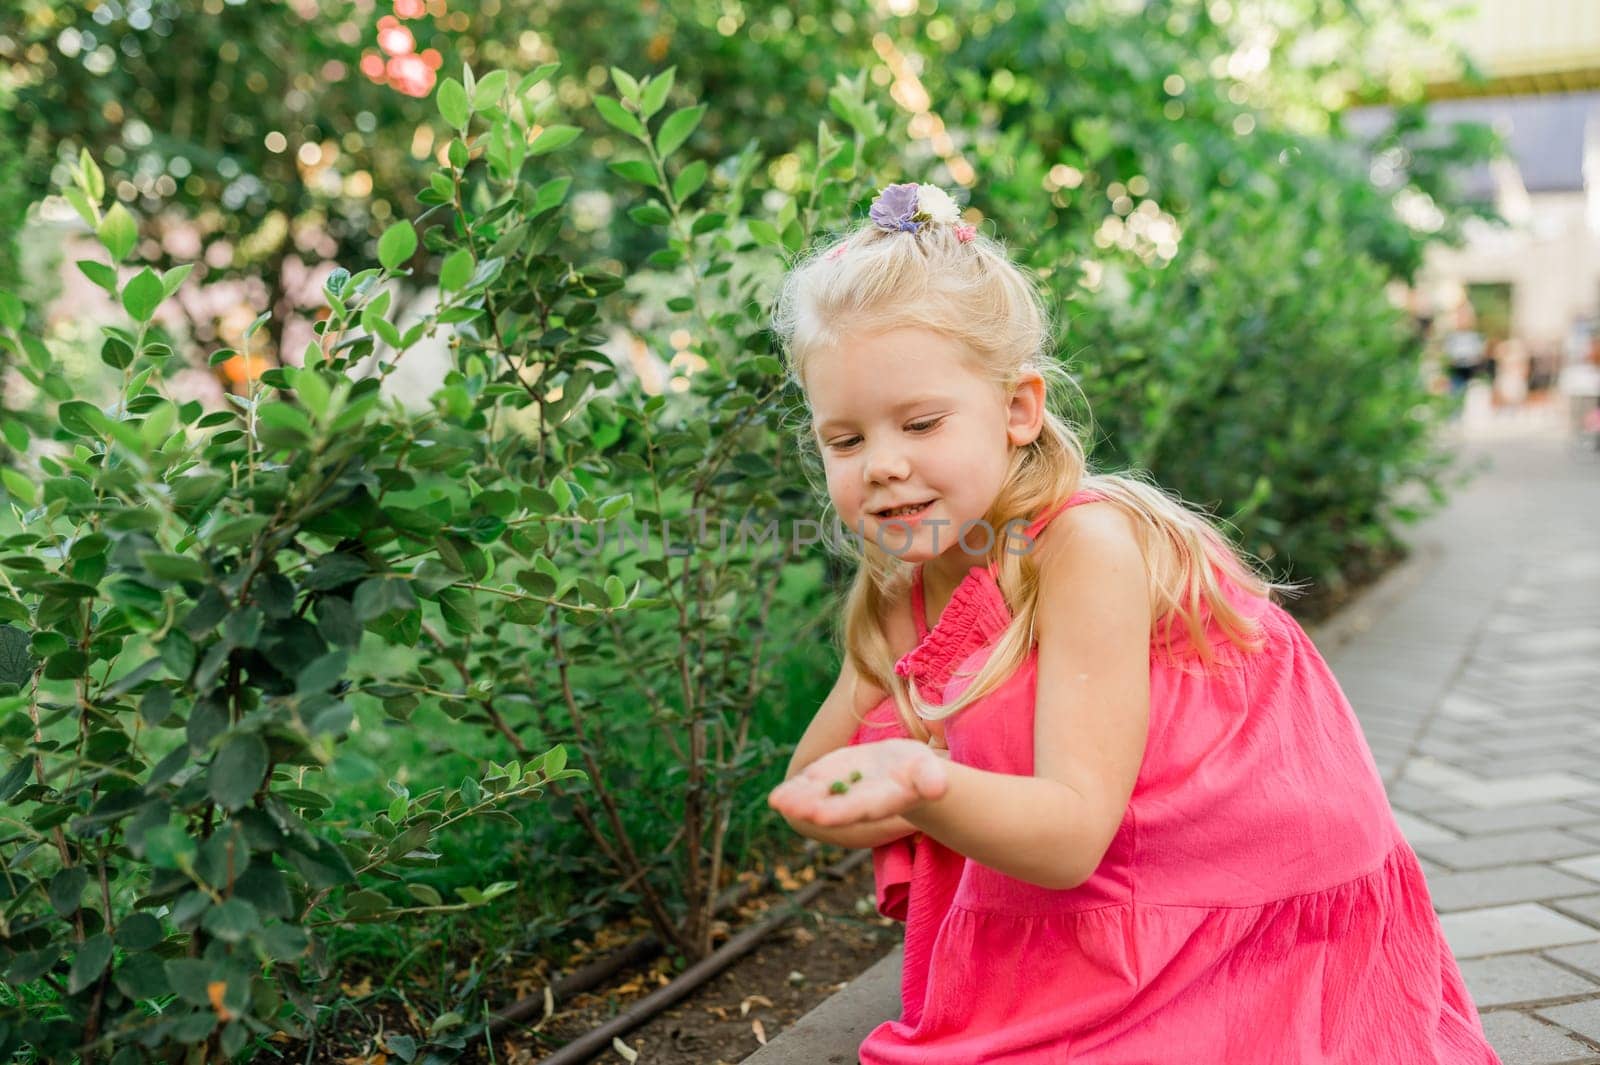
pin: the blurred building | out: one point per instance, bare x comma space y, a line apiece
1531, 287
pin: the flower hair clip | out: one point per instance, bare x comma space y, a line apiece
907, 207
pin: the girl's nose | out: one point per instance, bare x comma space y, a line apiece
886, 463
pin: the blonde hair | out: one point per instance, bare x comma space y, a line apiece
875, 280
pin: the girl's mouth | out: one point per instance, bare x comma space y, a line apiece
910, 511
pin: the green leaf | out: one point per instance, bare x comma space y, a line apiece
139, 931
456, 271
142, 977
426, 895
453, 105
635, 170
765, 232
94, 182
83, 419
118, 232
237, 770
489, 89
16, 656
116, 353
689, 180
552, 137
379, 595
550, 194
232, 921
18, 486
66, 890
614, 114
80, 203
321, 673
172, 567
676, 129
650, 214
143, 295
89, 963
168, 847
626, 84
655, 93
175, 277
397, 244
99, 273
459, 610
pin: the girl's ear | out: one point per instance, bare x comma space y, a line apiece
1025, 412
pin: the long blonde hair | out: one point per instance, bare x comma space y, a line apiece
875, 280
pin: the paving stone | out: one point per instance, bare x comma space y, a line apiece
1584, 956
1513, 979
1508, 929
1534, 787
1588, 866
1417, 799
1581, 1017
1583, 907
1504, 885
1522, 1040
1577, 760
1508, 848
1459, 706
1540, 741
1471, 820
1418, 830
1542, 644
1430, 870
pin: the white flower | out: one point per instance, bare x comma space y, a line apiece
937, 205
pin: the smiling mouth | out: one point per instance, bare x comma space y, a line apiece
904, 512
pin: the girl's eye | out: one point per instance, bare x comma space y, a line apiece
848, 442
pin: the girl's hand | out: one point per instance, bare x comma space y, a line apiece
863, 782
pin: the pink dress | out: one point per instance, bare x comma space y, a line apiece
1258, 905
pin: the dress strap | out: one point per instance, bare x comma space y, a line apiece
1082, 496
917, 611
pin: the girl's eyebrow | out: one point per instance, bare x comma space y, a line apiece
898, 408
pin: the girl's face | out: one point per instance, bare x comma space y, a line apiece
900, 418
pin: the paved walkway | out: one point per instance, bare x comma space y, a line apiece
1475, 672
1477, 683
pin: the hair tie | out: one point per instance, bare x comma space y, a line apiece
907, 207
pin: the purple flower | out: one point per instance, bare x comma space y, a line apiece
895, 208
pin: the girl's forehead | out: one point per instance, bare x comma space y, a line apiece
900, 359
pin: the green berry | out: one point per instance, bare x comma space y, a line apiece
838, 787
855, 775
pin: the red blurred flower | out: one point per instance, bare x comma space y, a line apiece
388, 22
410, 8
397, 41
432, 57
372, 65
410, 75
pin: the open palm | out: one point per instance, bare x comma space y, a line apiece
880, 780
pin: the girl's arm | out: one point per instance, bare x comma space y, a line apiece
1090, 722
832, 728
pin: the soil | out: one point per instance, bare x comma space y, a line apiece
731, 1016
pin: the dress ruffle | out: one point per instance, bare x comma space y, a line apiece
975, 615
1352, 975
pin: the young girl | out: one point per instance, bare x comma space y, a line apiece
1112, 789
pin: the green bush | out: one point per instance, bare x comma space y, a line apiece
188, 595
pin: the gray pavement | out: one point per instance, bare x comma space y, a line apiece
1474, 669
